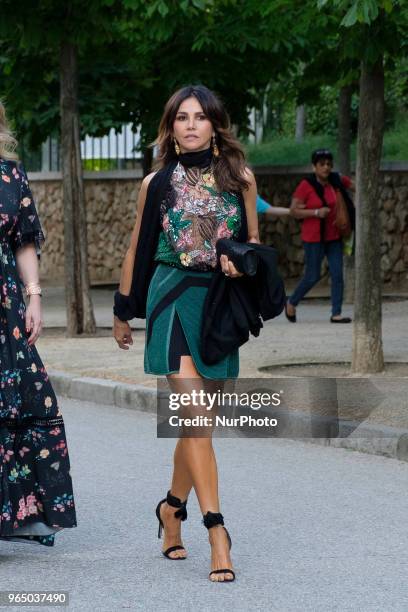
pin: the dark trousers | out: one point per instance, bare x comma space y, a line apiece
314, 254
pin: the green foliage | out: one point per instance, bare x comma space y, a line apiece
395, 147
370, 28
99, 164
359, 11
321, 117
133, 55
108, 65
223, 44
285, 151
396, 92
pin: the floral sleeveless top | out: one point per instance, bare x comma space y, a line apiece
193, 216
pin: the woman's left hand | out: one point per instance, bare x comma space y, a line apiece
33, 319
228, 267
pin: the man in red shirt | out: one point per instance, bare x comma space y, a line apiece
319, 234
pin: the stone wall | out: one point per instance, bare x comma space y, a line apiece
111, 214
111, 206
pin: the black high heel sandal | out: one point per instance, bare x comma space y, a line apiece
181, 513
211, 519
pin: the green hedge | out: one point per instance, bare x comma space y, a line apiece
285, 151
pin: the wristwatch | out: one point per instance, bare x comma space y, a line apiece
316, 212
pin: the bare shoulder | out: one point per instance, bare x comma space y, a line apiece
143, 191
249, 177
147, 179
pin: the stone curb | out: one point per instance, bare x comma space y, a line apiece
366, 438
99, 390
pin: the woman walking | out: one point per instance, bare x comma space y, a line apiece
36, 498
204, 192
314, 202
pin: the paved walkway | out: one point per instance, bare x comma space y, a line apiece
313, 529
313, 340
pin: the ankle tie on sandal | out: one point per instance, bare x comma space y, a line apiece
211, 519
175, 502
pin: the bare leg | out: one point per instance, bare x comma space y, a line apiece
180, 487
181, 483
195, 465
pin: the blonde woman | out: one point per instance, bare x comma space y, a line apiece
36, 498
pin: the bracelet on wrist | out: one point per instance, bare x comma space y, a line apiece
33, 289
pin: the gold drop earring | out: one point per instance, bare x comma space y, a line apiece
216, 151
176, 147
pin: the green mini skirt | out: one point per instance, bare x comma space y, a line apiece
174, 310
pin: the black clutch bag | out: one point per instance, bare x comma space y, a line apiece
242, 255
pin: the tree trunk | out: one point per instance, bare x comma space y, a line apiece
80, 316
344, 139
344, 129
367, 338
300, 123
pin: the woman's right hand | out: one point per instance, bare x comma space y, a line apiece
323, 212
122, 333
228, 267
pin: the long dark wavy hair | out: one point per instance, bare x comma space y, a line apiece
229, 167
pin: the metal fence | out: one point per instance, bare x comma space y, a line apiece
115, 151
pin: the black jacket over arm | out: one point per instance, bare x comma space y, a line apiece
235, 307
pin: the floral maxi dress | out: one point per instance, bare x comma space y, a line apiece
36, 498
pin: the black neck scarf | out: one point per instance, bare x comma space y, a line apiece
134, 305
198, 159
